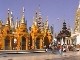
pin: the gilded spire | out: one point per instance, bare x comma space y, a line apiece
34, 22
23, 18
46, 23
38, 13
8, 18
11, 20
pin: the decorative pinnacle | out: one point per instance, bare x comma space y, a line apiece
11, 12
47, 18
23, 9
47, 21
79, 3
8, 10
39, 10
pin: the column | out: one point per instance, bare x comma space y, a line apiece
10, 44
41, 43
70, 41
66, 40
32, 44
62, 41
3, 44
18, 43
35, 43
27, 45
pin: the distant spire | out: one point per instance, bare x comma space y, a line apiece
39, 10
11, 20
38, 13
23, 10
8, 18
8, 10
64, 25
47, 21
52, 28
79, 4
11, 15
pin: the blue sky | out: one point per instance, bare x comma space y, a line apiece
56, 10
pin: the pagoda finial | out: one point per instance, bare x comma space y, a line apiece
8, 18
11, 20
47, 18
8, 10
11, 14
39, 10
23, 18
23, 10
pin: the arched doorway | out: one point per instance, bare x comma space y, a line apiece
23, 43
14, 44
7, 43
37, 43
46, 42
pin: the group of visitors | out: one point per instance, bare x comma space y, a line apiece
57, 49
62, 48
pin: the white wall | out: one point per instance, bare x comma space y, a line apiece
78, 39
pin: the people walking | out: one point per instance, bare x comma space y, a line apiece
60, 50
